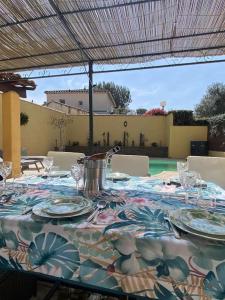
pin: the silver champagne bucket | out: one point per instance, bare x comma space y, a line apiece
94, 176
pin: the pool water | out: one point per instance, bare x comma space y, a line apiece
157, 166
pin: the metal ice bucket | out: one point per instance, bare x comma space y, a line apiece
94, 175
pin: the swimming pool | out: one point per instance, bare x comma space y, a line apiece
157, 166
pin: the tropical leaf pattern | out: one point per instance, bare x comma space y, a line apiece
151, 222
135, 252
215, 285
51, 251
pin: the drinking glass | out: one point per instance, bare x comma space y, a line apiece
77, 173
108, 172
5, 171
191, 181
19, 188
48, 163
208, 203
182, 166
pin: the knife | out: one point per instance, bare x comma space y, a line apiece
27, 211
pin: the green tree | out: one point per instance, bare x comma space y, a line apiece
141, 111
213, 102
121, 94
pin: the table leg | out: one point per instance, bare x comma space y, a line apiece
37, 167
52, 291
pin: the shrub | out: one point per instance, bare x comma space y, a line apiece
182, 117
155, 112
201, 122
154, 144
24, 119
76, 143
141, 111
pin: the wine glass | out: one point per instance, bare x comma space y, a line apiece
182, 166
48, 163
5, 171
107, 174
77, 174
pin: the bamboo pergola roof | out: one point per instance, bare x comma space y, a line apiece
59, 33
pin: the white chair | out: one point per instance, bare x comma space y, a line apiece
133, 165
210, 168
64, 160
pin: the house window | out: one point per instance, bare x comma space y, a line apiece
62, 101
80, 103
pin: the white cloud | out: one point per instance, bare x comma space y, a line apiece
75, 83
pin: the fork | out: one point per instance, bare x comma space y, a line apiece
176, 233
100, 205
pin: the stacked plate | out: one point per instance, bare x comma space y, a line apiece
200, 222
59, 174
63, 208
118, 176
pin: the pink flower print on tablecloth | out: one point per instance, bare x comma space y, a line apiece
36, 192
107, 217
139, 201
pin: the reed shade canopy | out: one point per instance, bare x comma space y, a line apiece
55, 33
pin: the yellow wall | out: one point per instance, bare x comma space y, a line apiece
169, 122
217, 153
181, 137
39, 136
153, 128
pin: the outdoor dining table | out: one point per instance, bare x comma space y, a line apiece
130, 249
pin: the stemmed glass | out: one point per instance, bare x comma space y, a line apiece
5, 171
77, 173
48, 163
107, 174
182, 166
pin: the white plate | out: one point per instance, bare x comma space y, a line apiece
67, 205
38, 210
59, 173
118, 176
174, 218
62, 209
203, 222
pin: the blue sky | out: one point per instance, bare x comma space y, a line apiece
180, 87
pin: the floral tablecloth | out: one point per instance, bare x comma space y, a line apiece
129, 249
